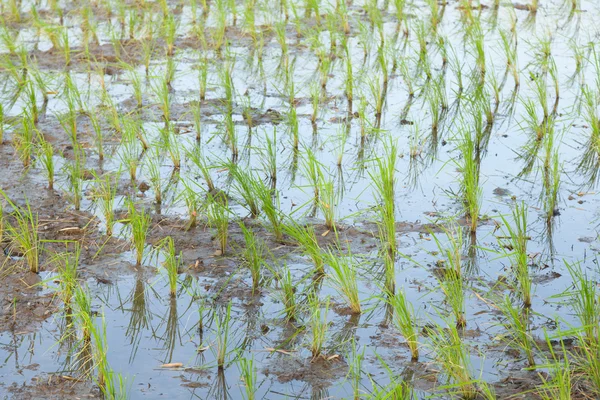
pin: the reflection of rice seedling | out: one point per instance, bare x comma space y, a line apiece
452, 355
253, 255
404, 319
318, 324
517, 324
24, 234
517, 236
140, 223
343, 275
222, 321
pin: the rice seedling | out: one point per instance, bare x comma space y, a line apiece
46, 157
193, 204
470, 188
104, 194
384, 182
287, 295
517, 325
244, 184
518, 238
344, 278
249, 377
171, 263
318, 324
585, 300
560, 382
451, 353
23, 234
306, 238
223, 323
253, 255
139, 222
153, 165
218, 218
23, 141
328, 202
405, 321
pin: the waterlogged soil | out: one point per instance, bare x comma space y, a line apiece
158, 344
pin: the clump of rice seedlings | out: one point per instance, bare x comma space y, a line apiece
343, 275
140, 223
75, 171
405, 321
306, 238
249, 377
24, 233
318, 324
559, 384
244, 183
153, 164
197, 158
270, 157
193, 204
517, 324
585, 300
223, 322
355, 371
23, 141
99, 134
397, 389
312, 171
269, 205
171, 263
130, 151
470, 189
46, 156
162, 92
218, 218
552, 186
452, 354
104, 194
384, 182
67, 264
253, 255
518, 237
328, 202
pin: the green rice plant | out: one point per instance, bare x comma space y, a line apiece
552, 186
140, 223
315, 98
171, 263
153, 165
23, 141
244, 183
46, 157
104, 195
452, 285
171, 145
198, 159
161, 90
328, 203
405, 321
268, 199
451, 353
99, 134
218, 218
306, 238
452, 250
203, 76
270, 156
318, 324
287, 295
312, 171
344, 278
384, 182
75, 171
170, 30
130, 150
193, 204
223, 322
517, 326
560, 382
67, 265
470, 188
83, 313
585, 300
518, 238
23, 234
249, 377
253, 255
